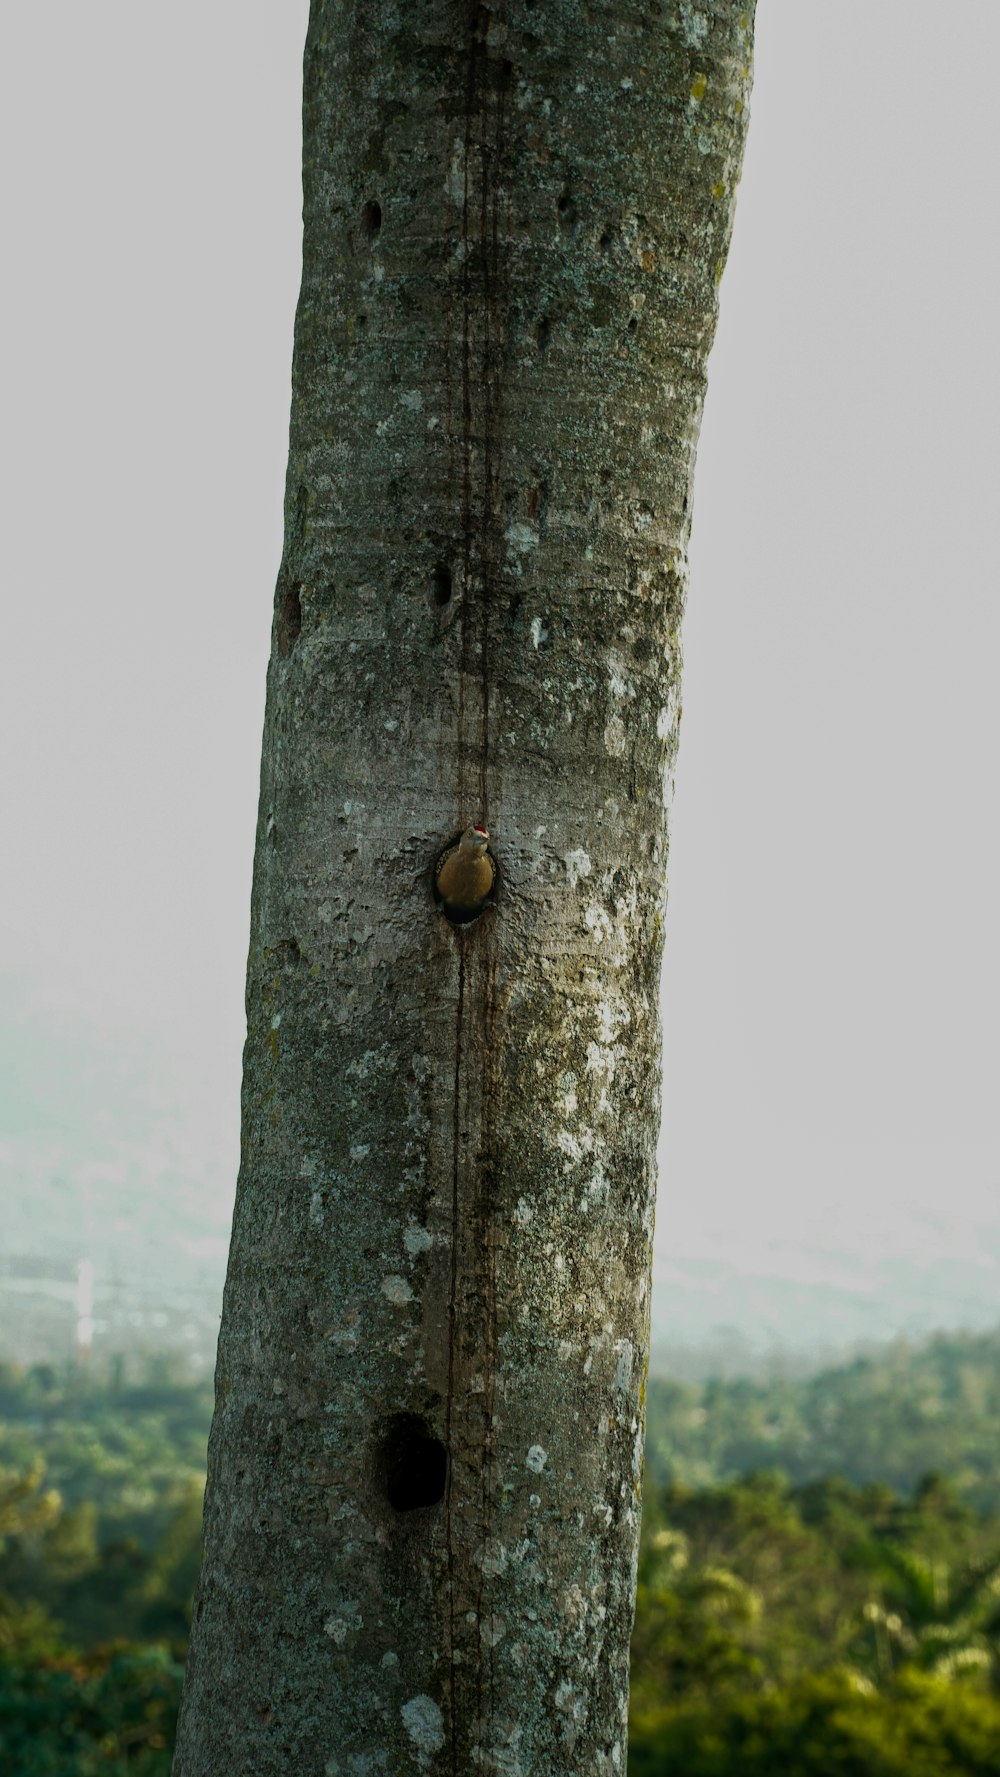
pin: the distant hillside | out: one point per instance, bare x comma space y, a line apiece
892, 1417
801, 1630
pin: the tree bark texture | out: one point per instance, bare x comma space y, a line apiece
424, 1472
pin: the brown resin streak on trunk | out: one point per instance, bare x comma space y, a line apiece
449, 1405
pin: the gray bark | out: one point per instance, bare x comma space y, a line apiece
424, 1471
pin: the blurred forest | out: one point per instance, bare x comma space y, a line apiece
819, 1580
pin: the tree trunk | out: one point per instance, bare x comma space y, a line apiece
424, 1469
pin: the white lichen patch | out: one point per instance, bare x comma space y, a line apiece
316, 1210
341, 1622
637, 1452
455, 183
539, 633
372, 1062
598, 1185
398, 1290
622, 685
569, 1701
491, 1557
577, 864
611, 1016
536, 1459
694, 25
578, 1607
424, 1723
614, 737
598, 921
525, 1212
568, 1102
522, 537
623, 1367
492, 1629
416, 1238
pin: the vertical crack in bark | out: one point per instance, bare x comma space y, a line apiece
482, 352
483, 335
456, 1166
491, 540
488, 1084
468, 594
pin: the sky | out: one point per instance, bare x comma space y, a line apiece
830, 1157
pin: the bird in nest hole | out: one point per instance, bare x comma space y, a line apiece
465, 875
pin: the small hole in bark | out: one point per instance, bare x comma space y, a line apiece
633, 323
605, 242
361, 322
440, 587
371, 219
412, 1464
543, 333
289, 603
567, 212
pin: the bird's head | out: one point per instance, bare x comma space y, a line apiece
476, 838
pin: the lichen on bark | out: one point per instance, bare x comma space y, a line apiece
424, 1477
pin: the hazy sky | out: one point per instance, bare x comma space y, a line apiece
832, 977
